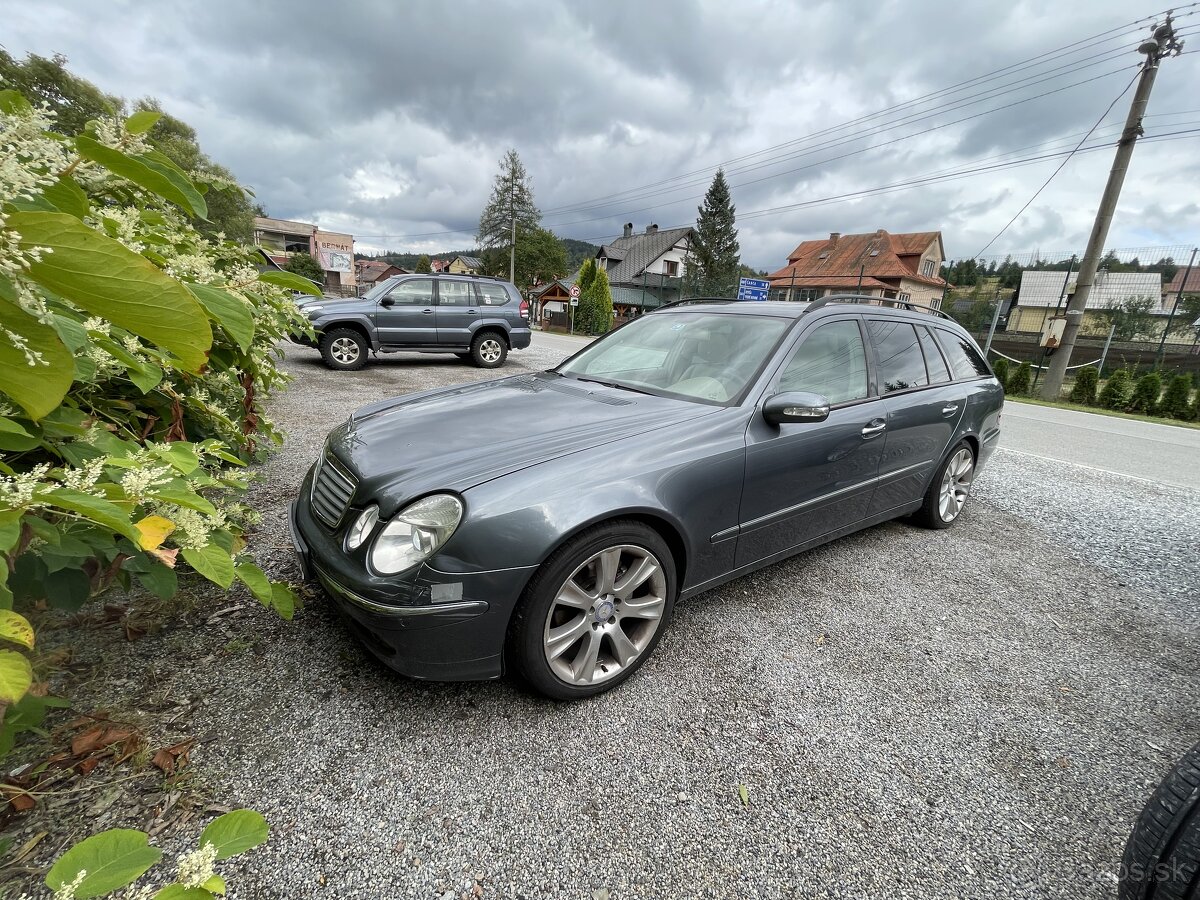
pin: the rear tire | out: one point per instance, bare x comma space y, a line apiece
489, 350
948, 491
1162, 857
344, 349
594, 612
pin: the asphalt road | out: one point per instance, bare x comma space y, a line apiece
1166, 454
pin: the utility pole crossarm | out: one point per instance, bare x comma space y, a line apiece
1162, 43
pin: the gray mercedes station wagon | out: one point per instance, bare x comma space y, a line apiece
547, 523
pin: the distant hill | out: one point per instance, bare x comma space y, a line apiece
577, 252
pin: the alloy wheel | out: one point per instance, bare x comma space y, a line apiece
956, 484
344, 350
605, 615
489, 350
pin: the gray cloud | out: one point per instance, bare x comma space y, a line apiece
388, 119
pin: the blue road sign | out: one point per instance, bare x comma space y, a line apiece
753, 289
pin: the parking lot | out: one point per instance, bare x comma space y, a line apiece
972, 713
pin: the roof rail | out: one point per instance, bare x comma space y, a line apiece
695, 300
875, 301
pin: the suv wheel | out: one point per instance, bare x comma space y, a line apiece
489, 350
344, 349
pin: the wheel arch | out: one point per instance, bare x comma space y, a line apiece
494, 327
354, 325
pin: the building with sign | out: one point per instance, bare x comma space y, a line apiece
1044, 294
334, 252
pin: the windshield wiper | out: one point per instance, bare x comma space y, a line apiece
613, 384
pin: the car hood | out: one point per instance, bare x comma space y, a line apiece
457, 438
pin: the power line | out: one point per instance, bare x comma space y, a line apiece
1061, 165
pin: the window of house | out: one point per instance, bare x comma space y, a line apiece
928, 267
415, 292
904, 297
901, 363
934, 361
965, 360
807, 295
455, 293
832, 362
670, 268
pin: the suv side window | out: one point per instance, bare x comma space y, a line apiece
492, 294
414, 292
455, 293
832, 361
965, 360
901, 364
934, 361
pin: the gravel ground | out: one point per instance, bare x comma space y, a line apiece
983, 723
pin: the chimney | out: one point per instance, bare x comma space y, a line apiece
650, 229
628, 229
834, 235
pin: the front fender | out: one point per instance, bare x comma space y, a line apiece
362, 321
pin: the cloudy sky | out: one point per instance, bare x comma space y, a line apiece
387, 119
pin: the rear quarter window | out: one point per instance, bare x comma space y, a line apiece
965, 361
492, 294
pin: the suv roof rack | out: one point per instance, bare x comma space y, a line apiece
890, 302
694, 300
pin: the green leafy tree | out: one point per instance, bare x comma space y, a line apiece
73, 101
595, 312
305, 266
1084, 389
1000, 368
1146, 393
512, 199
1117, 390
1019, 382
541, 257
1130, 318
587, 274
424, 264
1175, 400
713, 263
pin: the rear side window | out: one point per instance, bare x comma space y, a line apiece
965, 360
901, 364
492, 294
934, 362
832, 361
455, 293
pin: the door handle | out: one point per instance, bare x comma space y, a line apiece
427, 312
949, 409
874, 429
472, 312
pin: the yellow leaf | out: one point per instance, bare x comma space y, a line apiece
154, 530
16, 676
16, 628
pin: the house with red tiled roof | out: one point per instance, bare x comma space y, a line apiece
372, 271
878, 264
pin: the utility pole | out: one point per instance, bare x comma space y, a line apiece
512, 251
1174, 309
1161, 44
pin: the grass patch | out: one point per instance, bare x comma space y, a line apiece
1079, 407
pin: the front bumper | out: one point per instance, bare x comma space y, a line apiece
425, 624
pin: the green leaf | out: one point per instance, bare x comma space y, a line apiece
16, 628
10, 528
94, 509
291, 281
228, 311
36, 389
215, 885
67, 196
182, 497
213, 562
112, 859
16, 675
256, 580
165, 181
67, 589
159, 580
14, 436
180, 455
179, 892
744, 794
14, 103
104, 278
235, 832
283, 600
142, 121
145, 375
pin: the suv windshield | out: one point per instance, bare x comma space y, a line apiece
702, 356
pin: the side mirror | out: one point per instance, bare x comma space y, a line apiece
387, 301
796, 406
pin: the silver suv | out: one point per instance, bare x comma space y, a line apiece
475, 317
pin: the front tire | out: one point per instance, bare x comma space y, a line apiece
489, 350
1162, 857
594, 612
948, 492
344, 349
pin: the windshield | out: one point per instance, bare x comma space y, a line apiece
380, 289
701, 356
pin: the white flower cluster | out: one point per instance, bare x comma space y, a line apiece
127, 225
84, 478
16, 491
196, 868
137, 482
192, 529
29, 161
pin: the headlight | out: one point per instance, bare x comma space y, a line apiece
309, 310
415, 533
362, 528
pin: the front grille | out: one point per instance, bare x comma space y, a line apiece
332, 489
